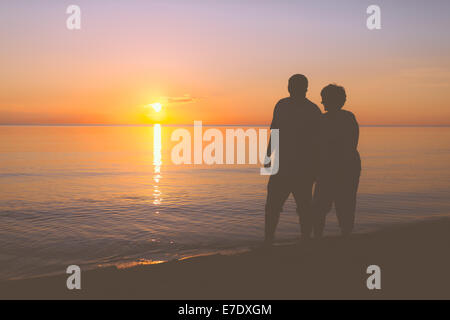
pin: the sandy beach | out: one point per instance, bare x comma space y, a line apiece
413, 258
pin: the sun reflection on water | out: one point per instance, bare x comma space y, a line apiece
157, 162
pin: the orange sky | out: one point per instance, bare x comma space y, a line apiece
222, 63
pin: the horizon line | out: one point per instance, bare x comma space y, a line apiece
191, 125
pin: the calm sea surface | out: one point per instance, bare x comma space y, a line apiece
97, 196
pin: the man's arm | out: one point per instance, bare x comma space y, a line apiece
273, 125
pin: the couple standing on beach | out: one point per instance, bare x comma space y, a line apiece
314, 148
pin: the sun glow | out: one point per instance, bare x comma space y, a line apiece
156, 106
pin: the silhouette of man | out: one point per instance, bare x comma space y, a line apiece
297, 119
340, 164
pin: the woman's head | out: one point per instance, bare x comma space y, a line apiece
333, 97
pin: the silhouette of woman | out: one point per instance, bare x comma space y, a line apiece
340, 164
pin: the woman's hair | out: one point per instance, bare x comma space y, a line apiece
334, 96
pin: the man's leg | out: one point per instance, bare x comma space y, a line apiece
321, 205
277, 193
303, 198
346, 204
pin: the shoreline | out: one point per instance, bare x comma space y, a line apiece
413, 258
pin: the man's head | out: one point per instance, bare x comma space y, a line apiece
298, 85
333, 97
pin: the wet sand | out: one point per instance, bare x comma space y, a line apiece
414, 261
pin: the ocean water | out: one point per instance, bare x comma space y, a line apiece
110, 195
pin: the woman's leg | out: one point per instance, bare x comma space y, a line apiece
345, 203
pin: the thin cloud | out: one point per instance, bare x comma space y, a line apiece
183, 99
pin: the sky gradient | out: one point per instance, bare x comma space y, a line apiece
222, 62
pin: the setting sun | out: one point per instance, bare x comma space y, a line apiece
156, 106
